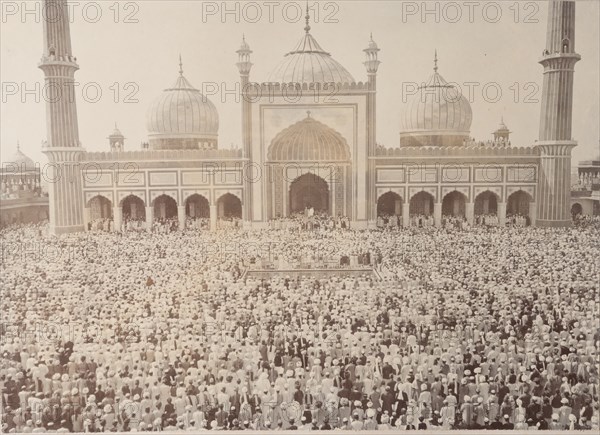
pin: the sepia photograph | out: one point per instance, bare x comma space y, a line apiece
269, 216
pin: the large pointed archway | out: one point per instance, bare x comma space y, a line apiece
309, 191
310, 165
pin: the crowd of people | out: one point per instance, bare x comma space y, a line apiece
420, 220
299, 221
487, 219
310, 221
487, 327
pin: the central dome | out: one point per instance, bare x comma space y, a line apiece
437, 114
309, 63
182, 118
309, 140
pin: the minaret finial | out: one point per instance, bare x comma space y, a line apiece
435, 60
180, 66
18, 145
371, 36
307, 17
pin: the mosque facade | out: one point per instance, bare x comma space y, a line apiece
309, 142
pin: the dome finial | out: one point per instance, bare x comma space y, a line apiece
308, 113
180, 66
307, 17
18, 145
435, 60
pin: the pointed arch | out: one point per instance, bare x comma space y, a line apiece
486, 203
197, 206
389, 204
134, 208
100, 207
165, 207
229, 205
421, 204
454, 204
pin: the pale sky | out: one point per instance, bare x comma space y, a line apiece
141, 57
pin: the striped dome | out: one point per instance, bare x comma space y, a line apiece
437, 109
309, 63
182, 115
309, 140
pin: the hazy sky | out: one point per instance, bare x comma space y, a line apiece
493, 45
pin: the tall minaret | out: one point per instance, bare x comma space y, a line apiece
556, 143
244, 66
371, 64
63, 148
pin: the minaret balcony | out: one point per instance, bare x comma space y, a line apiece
551, 56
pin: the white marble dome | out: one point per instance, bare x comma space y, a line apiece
182, 118
309, 63
437, 114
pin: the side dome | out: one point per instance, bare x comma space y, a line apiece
182, 118
309, 140
309, 63
436, 115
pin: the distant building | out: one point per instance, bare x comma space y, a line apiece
585, 191
21, 196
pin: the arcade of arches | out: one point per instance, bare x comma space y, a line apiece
455, 204
310, 190
163, 207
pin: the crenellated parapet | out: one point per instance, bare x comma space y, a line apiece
160, 155
286, 89
471, 151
